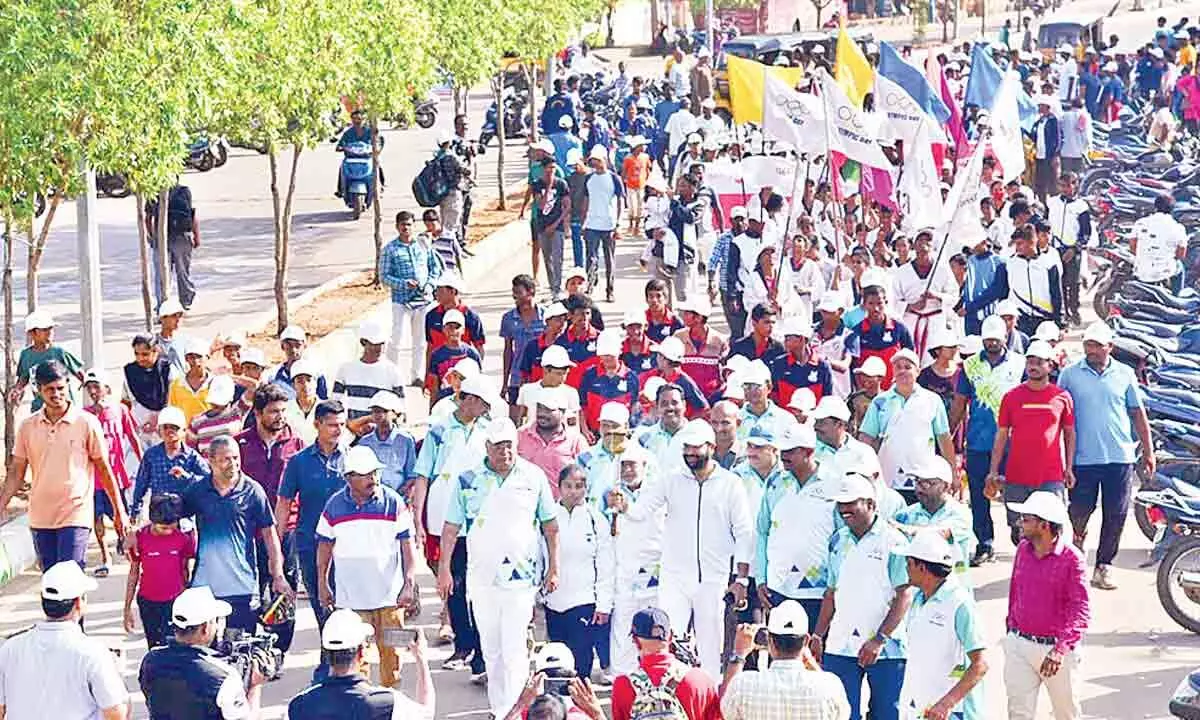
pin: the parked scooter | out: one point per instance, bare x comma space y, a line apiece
1175, 511
206, 153
424, 114
112, 185
358, 177
516, 118
1185, 702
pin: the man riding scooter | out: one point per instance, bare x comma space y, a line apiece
358, 132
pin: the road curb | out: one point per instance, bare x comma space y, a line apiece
16, 549
260, 321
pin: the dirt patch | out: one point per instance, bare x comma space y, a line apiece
489, 219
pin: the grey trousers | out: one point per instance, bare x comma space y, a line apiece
552, 258
179, 262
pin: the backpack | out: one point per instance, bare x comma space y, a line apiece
436, 180
657, 702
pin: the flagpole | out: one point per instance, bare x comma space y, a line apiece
741, 165
937, 261
786, 226
839, 214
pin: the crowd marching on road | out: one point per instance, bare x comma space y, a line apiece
752, 525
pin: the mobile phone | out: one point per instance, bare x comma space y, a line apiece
399, 637
558, 686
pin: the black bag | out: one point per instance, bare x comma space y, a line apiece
179, 211
436, 180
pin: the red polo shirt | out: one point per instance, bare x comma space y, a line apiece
1035, 419
696, 692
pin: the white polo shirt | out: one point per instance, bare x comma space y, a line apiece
84, 675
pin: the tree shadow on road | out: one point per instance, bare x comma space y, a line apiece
1134, 693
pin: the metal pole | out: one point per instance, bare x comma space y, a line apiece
710, 36
87, 237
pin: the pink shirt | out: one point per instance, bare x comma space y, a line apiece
117, 424
551, 456
1048, 596
164, 560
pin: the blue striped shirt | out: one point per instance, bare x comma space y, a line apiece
154, 473
719, 260
404, 261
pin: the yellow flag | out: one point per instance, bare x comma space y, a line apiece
851, 69
747, 83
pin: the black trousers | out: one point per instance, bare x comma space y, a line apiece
1070, 282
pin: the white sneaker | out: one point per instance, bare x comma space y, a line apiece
1102, 578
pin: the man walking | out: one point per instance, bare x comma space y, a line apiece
409, 269
602, 210
183, 236
1108, 413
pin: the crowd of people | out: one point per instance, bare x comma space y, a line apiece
748, 525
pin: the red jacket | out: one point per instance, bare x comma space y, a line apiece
696, 692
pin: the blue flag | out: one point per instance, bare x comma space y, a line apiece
898, 70
984, 84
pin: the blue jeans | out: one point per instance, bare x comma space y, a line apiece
56, 545
1109, 484
574, 628
308, 571
981, 507
244, 617
884, 677
577, 243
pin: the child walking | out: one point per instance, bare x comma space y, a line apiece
160, 568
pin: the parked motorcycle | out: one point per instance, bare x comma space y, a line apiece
516, 118
206, 153
358, 177
424, 114
112, 185
1185, 702
1175, 512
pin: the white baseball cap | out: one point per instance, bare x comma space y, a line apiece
906, 354
830, 302
373, 333
233, 339
1048, 331
195, 346
853, 486
66, 581
552, 397
798, 326
795, 436
942, 338
788, 618
304, 366
553, 656
566, 122
934, 467
361, 460
453, 315
387, 400
170, 306
38, 320
293, 332
1046, 505
575, 272
171, 415
450, 280
733, 388
614, 412
608, 343
872, 367
697, 432
831, 406
697, 304
756, 373
253, 356
1040, 349
970, 345
650, 387
554, 310
598, 152
929, 545
556, 356
634, 452
196, 606
96, 375
694, 139
481, 386
633, 317
803, 399
220, 390
502, 430
574, 156
1098, 332
671, 348
738, 212
993, 328
345, 630
466, 367
1007, 308
736, 364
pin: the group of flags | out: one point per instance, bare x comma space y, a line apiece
912, 104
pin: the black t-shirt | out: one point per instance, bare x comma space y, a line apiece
183, 682
550, 200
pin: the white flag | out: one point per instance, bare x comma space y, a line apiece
963, 219
902, 115
850, 133
1005, 122
792, 117
919, 189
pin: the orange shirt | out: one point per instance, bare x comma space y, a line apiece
636, 170
61, 457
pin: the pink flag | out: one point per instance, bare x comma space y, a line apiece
954, 126
877, 184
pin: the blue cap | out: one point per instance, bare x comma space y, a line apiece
760, 435
651, 624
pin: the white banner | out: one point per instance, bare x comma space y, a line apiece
919, 189
791, 117
961, 213
1005, 121
902, 115
851, 134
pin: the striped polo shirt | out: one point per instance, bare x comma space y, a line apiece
366, 540
358, 381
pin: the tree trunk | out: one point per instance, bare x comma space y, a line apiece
459, 105
533, 104
276, 217
283, 239
36, 249
9, 350
654, 21
143, 263
820, 7
377, 210
160, 255
608, 40
498, 93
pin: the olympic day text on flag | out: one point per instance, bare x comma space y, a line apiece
792, 117
850, 134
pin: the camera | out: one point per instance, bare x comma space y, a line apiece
249, 652
558, 686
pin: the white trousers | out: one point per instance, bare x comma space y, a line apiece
408, 330
502, 617
1022, 682
623, 654
703, 604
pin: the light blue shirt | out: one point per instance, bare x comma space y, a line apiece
774, 419
1103, 428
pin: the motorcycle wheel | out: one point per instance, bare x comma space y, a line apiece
1183, 550
359, 203
118, 189
222, 155
1101, 297
426, 119
206, 162
1142, 515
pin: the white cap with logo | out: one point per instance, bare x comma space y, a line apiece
361, 460
929, 545
788, 618
196, 606
556, 356
697, 432
66, 581
345, 630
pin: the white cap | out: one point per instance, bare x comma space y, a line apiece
634, 452
170, 306
761, 435
1048, 331
818, 50
788, 618
614, 412
553, 656
738, 211
481, 386
293, 332
544, 145
555, 398
556, 356
796, 435
373, 333
1046, 505
1156, 52
575, 272
466, 367
502, 430
872, 367
1040, 349
994, 328
970, 345
196, 606
566, 122
1007, 308
733, 388
253, 356
171, 415
636, 141
756, 373
650, 387
830, 302
933, 466
220, 390
929, 545
453, 315
96, 375
694, 139
345, 630
450, 280
445, 138
66, 581
708, 102
737, 363
195, 346
387, 400
1065, 49
697, 304
361, 460
853, 486
233, 339
1098, 332
1043, 100
831, 406
803, 400
942, 337
798, 326
875, 278
697, 432
598, 152
554, 310
1109, 66
671, 348
608, 343
574, 156
906, 354
38, 320
304, 366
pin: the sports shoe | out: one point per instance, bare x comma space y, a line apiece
457, 661
479, 678
1102, 578
983, 554
602, 677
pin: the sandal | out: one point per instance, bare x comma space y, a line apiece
101, 572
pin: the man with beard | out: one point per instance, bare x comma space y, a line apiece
862, 613
548, 442
794, 523
710, 527
985, 378
924, 291
934, 508
660, 438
